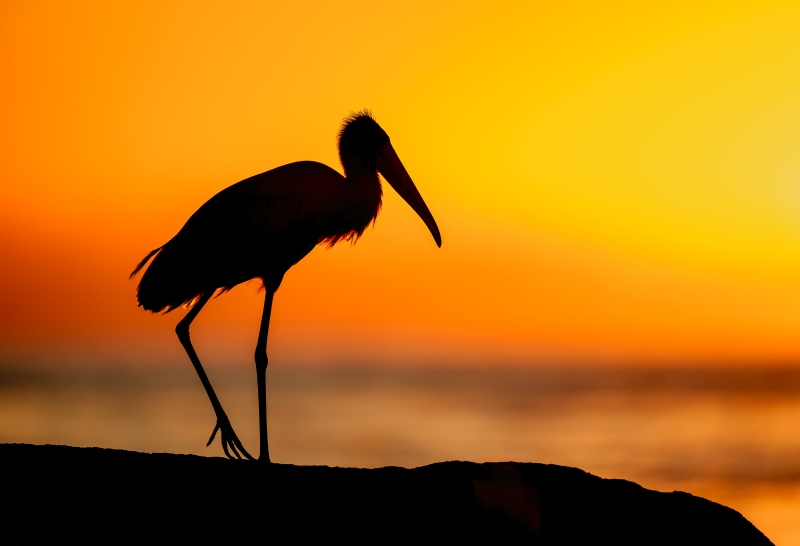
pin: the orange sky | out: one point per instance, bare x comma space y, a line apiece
613, 183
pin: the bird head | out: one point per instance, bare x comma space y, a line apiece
364, 144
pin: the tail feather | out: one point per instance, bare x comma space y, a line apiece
144, 261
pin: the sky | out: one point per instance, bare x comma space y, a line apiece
614, 183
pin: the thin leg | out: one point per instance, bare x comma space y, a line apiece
229, 438
261, 375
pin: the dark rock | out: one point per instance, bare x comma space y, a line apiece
103, 495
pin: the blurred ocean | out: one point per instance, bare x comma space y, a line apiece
732, 436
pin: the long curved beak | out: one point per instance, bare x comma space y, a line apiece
390, 166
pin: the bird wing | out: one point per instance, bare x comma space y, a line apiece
278, 207
256, 228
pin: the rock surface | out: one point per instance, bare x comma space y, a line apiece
103, 495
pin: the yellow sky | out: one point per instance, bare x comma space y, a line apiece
613, 183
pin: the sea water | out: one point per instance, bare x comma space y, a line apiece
730, 435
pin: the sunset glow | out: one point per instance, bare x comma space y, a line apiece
613, 184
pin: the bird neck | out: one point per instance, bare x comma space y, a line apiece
360, 174
354, 165
357, 171
366, 183
363, 181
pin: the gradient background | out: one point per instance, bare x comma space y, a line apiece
613, 183
616, 184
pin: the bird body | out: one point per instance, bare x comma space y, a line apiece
259, 228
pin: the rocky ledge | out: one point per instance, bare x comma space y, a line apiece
103, 495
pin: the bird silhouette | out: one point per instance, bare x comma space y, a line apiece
259, 228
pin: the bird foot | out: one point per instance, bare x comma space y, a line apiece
230, 442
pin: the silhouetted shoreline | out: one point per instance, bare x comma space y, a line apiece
96, 495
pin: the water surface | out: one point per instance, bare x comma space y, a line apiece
729, 435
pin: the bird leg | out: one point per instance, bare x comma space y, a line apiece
230, 442
261, 374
